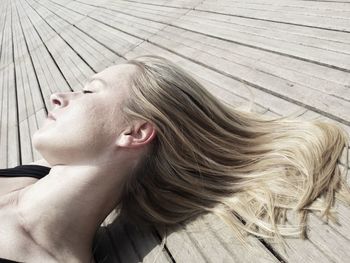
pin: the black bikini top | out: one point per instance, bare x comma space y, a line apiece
26, 170
4, 260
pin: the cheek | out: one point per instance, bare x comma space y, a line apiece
80, 124
87, 127
112, 116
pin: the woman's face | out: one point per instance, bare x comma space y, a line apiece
86, 125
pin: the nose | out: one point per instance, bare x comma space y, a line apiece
58, 99
62, 99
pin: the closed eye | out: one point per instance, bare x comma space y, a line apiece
86, 91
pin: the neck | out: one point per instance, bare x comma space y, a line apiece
62, 211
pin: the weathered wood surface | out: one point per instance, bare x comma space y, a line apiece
292, 55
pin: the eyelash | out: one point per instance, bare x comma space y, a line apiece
86, 91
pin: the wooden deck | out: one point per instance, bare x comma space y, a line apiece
292, 54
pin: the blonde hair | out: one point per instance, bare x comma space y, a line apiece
241, 166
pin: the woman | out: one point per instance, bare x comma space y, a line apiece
146, 138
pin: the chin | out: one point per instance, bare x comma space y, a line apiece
38, 141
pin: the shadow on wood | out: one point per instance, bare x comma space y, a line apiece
121, 241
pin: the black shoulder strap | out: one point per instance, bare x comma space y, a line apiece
27, 170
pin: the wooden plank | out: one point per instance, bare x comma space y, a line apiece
265, 62
49, 77
256, 28
20, 49
62, 11
83, 9
133, 25
25, 140
49, 16
343, 224
298, 8
104, 251
146, 244
333, 75
321, 235
35, 122
341, 24
122, 244
35, 45
288, 90
24, 103
19, 52
3, 13
9, 147
163, 14
304, 32
117, 41
337, 90
96, 55
12, 125
66, 2
310, 6
3, 118
74, 69
130, 243
299, 250
38, 23
33, 97
31, 38
182, 247
28, 93
31, 87
6, 48
3, 6
187, 4
3, 86
219, 244
208, 239
326, 4
326, 57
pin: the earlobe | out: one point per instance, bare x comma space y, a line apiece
124, 139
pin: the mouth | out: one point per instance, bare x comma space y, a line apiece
50, 116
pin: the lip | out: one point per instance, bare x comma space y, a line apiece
50, 116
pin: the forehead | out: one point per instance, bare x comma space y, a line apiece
117, 75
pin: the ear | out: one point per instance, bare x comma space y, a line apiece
136, 135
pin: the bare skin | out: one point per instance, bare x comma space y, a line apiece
41, 162
55, 218
9, 184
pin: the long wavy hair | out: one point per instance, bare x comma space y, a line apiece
209, 157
